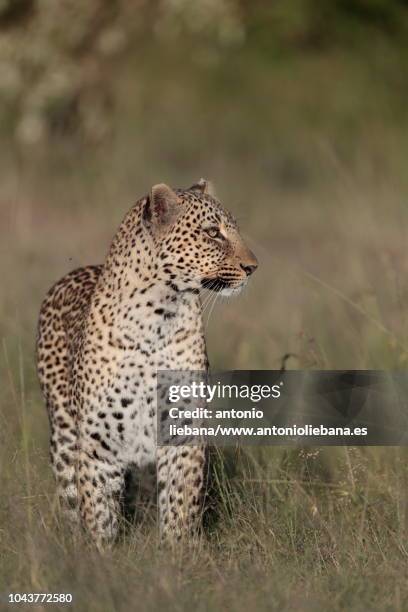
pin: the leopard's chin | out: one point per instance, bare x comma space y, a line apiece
231, 291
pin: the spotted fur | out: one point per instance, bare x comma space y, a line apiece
104, 332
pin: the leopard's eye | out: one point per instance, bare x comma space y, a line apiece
213, 232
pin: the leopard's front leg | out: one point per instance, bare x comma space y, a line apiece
100, 486
181, 481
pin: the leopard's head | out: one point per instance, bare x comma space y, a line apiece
197, 241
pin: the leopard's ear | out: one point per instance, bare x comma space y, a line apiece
162, 206
202, 185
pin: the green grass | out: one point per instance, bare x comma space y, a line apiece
295, 529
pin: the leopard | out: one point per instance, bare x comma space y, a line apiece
104, 333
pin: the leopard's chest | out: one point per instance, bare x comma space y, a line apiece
123, 364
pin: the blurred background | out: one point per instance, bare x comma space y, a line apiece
297, 111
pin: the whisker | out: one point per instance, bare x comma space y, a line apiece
206, 300
213, 296
212, 309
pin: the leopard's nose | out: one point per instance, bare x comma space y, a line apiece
249, 268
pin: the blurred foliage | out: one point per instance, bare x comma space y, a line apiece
53, 58
60, 61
